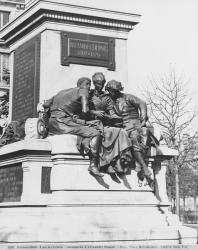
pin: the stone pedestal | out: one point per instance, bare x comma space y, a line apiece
160, 181
82, 209
109, 209
33, 157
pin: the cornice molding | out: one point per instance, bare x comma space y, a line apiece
78, 7
26, 158
36, 15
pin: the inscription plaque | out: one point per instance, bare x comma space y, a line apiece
26, 80
11, 183
87, 50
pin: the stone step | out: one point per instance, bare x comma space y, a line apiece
90, 223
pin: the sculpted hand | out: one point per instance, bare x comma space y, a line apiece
40, 107
116, 117
99, 113
143, 124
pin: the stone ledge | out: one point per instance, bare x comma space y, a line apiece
104, 198
31, 144
57, 144
165, 151
63, 144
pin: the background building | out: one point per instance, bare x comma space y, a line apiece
9, 9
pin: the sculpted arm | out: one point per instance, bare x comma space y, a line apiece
142, 108
48, 103
84, 94
84, 103
45, 104
111, 108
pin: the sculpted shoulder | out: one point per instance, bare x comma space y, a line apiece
133, 98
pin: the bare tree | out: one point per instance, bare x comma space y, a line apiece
170, 105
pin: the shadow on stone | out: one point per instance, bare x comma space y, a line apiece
100, 181
124, 179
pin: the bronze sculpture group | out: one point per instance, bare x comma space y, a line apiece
110, 125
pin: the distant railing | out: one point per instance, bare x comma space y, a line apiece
189, 217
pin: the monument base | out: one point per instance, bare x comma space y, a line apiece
99, 225
79, 208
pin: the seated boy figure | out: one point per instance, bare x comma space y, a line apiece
67, 108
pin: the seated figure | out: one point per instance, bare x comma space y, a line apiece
105, 133
134, 114
115, 149
68, 109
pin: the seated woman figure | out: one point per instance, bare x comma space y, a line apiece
115, 152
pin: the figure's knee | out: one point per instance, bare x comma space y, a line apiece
135, 142
95, 141
136, 148
133, 135
94, 133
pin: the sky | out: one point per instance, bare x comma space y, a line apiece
165, 39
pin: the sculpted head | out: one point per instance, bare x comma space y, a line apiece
114, 88
98, 80
84, 82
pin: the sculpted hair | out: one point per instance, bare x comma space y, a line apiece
81, 80
98, 76
115, 85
